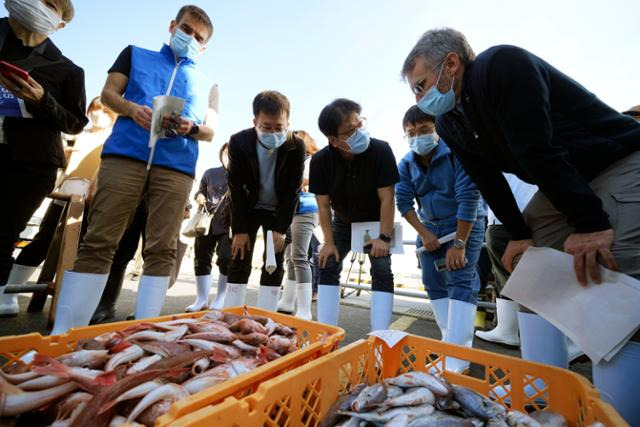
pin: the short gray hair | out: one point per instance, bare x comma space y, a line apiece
435, 44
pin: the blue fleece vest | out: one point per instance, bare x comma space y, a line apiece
149, 77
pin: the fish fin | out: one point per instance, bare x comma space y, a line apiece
106, 379
47, 365
220, 356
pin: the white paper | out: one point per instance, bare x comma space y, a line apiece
270, 263
362, 232
390, 336
162, 105
442, 240
600, 319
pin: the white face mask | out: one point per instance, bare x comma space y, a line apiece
34, 15
100, 119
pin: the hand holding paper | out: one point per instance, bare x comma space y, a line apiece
442, 240
600, 319
162, 105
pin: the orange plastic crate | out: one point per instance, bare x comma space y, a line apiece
303, 396
314, 339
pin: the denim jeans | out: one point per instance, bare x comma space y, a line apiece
381, 275
462, 285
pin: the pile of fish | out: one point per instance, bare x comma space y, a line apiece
134, 375
418, 399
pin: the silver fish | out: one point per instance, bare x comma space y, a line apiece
231, 351
200, 365
476, 404
438, 385
440, 419
380, 418
135, 393
43, 382
497, 422
19, 378
549, 419
143, 364
393, 391
91, 359
170, 392
15, 404
399, 420
413, 397
169, 336
520, 419
369, 398
342, 404
351, 422
127, 355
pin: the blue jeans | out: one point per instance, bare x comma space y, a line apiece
381, 276
462, 285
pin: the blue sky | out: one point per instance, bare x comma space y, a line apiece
315, 51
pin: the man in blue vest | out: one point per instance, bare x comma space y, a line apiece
137, 76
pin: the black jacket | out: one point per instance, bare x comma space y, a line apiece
519, 114
213, 186
244, 179
38, 140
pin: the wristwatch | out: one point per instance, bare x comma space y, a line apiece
194, 130
384, 238
459, 244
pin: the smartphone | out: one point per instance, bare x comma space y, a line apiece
441, 264
9, 71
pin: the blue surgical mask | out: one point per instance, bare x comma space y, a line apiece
436, 103
423, 144
272, 140
185, 46
359, 141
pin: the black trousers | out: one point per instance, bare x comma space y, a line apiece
204, 248
240, 270
25, 186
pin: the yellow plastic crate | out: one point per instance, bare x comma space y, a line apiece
303, 396
314, 339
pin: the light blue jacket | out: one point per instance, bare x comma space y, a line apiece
149, 76
444, 190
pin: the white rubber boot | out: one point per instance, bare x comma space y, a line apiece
541, 341
203, 284
506, 330
617, 382
440, 309
288, 298
268, 297
236, 293
79, 296
20, 274
328, 304
381, 310
460, 331
218, 303
152, 291
304, 292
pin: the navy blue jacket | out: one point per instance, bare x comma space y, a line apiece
519, 114
444, 190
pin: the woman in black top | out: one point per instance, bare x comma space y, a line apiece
51, 100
